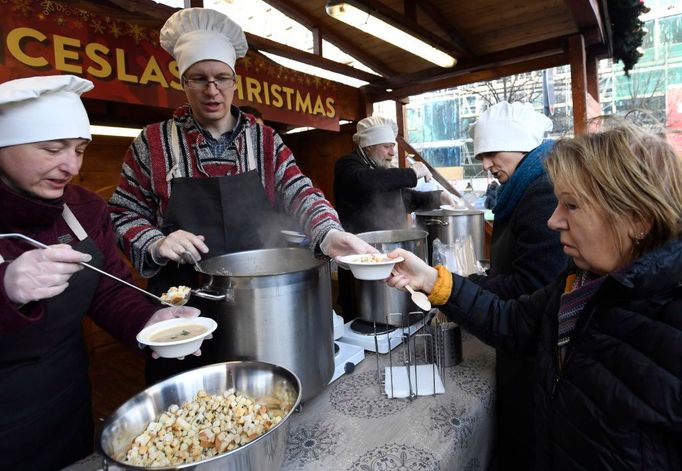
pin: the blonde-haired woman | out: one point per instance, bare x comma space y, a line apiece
607, 335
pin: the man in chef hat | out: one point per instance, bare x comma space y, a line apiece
45, 293
370, 193
525, 254
211, 180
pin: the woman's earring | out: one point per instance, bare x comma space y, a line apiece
639, 238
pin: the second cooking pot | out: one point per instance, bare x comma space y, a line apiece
373, 300
277, 311
450, 225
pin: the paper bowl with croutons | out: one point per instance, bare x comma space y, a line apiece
374, 266
228, 416
174, 338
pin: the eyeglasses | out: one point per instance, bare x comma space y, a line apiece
221, 83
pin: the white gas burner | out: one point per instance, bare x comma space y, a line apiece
367, 341
346, 358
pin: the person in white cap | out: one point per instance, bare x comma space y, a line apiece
525, 254
369, 193
46, 418
211, 180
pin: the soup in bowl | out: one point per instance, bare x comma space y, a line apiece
375, 266
176, 338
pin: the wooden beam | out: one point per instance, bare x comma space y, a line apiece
434, 173
410, 26
144, 9
576, 52
400, 118
592, 75
366, 104
438, 17
274, 47
472, 77
310, 22
536, 50
410, 9
587, 17
317, 41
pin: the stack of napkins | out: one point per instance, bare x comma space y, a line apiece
422, 385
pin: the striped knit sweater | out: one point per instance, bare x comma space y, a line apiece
138, 203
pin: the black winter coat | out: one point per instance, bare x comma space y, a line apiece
525, 256
617, 402
375, 199
525, 253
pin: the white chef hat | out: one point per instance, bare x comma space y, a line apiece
45, 108
198, 34
375, 130
509, 127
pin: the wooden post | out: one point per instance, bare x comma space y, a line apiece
576, 52
317, 41
592, 66
366, 104
400, 117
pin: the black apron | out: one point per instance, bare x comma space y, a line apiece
234, 214
46, 418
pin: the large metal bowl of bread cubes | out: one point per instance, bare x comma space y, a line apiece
225, 416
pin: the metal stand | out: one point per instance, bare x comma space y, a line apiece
409, 359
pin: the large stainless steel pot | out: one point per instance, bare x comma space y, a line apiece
373, 300
258, 380
278, 311
450, 225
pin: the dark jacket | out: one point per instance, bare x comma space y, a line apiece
525, 253
525, 256
617, 402
44, 387
373, 199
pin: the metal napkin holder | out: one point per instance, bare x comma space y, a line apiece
409, 353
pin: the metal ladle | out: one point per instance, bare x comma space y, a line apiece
40, 245
418, 298
213, 297
189, 255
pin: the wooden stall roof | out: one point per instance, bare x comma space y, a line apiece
489, 38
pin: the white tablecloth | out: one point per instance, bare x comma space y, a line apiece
353, 426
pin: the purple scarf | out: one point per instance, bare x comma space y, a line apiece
579, 290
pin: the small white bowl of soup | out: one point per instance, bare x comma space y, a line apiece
376, 266
176, 338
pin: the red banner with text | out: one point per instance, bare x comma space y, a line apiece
126, 63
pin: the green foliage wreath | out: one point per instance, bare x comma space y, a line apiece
627, 31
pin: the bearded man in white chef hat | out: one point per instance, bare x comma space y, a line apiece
45, 293
370, 192
525, 255
211, 180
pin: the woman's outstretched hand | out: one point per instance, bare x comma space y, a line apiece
413, 271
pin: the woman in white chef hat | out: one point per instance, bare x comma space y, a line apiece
46, 420
509, 138
211, 180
